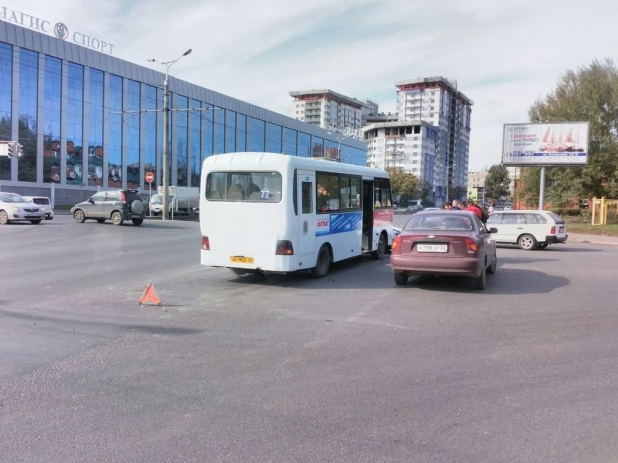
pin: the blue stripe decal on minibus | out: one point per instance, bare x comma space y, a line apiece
342, 223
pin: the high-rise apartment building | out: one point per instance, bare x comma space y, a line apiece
330, 110
437, 101
377, 118
477, 179
410, 145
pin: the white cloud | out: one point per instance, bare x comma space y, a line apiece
503, 56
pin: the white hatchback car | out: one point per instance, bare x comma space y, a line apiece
528, 229
45, 203
15, 208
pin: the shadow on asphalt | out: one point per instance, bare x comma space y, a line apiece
556, 248
147, 224
363, 273
505, 281
28, 224
564, 249
524, 260
346, 274
68, 322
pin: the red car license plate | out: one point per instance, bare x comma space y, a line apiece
431, 248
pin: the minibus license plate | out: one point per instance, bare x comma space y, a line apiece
241, 260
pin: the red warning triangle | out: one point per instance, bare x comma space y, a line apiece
150, 296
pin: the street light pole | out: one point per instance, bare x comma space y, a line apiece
448, 183
339, 145
447, 186
166, 128
447, 168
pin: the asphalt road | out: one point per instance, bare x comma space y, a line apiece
289, 369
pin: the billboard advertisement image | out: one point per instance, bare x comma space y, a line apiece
554, 144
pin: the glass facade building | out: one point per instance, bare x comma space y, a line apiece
87, 120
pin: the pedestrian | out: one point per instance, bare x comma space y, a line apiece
472, 208
447, 207
491, 208
456, 205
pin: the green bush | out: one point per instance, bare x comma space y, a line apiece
574, 215
586, 215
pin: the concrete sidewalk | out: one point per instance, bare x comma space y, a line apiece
593, 239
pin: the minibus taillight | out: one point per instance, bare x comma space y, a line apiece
284, 248
205, 243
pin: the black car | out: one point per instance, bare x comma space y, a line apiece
117, 206
414, 208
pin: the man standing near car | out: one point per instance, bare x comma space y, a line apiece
472, 208
456, 205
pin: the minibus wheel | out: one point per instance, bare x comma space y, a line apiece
322, 264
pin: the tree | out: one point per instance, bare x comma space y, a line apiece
403, 184
425, 192
587, 94
458, 192
497, 182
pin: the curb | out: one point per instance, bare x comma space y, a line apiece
598, 241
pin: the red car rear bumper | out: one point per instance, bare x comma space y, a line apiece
413, 264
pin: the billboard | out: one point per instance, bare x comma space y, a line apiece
552, 144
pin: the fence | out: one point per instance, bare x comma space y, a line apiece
600, 209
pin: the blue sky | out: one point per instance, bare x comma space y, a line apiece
503, 55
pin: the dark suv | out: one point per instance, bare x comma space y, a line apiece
117, 206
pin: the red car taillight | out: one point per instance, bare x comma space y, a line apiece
471, 246
552, 231
284, 248
396, 246
205, 243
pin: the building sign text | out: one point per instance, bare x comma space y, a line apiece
58, 30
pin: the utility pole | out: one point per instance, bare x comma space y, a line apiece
166, 126
166, 129
447, 185
340, 139
542, 190
166, 143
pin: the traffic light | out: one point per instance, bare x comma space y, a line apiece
20, 149
10, 148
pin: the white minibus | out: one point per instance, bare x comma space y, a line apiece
274, 213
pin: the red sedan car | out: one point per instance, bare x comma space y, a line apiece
444, 243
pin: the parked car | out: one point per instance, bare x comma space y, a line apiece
528, 229
16, 208
444, 243
116, 206
414, 208
45, 204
